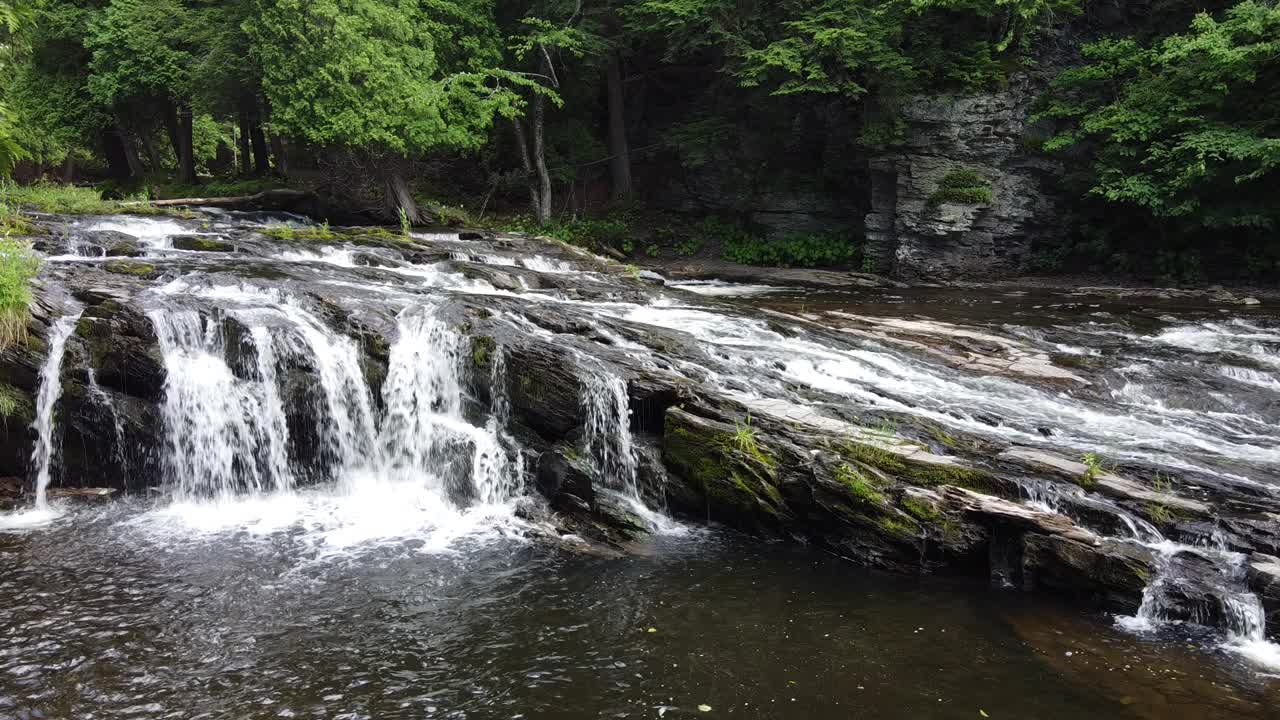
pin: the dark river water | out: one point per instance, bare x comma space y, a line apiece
114, 613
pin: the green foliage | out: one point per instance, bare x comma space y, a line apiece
317, 233
11, 401
611, 231
1183, 133
1159, 513
405, 226
18, 265
383, 74
745, 442
862, 488
962, 186
792, 250
10, 150
1092, 469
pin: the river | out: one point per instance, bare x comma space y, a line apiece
308, 536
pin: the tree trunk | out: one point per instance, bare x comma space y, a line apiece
129, 151
261, 163
175, 137
523, 147
149, 147
399, 196
619, 150
113, 151
540, 159
186, 154
278, 152
242, 142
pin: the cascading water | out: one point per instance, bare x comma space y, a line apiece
608, 431
228, 433
424, 430
50, 391
117, 426
224, 434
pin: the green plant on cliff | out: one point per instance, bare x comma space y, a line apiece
962, 186
744, 441
18, 265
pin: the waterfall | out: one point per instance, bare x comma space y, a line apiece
224, 434
117, 426
608, 431
46, 399
227, 433
424, 430
346, 426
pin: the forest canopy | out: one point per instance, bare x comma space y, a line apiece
1169, 112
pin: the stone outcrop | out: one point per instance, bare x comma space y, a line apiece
914, 236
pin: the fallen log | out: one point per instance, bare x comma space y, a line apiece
281, 199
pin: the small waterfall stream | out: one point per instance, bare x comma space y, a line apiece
1242, 616
50, 391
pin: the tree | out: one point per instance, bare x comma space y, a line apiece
144, 53
370, 76
1185, 130
543, 45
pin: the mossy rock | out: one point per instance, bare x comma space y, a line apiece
912, 471
200, 243
738, 481
482, 349
131, 267
15, 405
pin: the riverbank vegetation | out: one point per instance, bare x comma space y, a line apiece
660, 127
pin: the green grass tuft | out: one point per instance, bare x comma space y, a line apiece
18, 265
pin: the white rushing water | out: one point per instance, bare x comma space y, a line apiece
414, 468
46, 400
608, 430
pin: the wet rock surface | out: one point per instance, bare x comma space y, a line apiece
618, 390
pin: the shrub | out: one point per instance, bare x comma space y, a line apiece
793, 250
18, 264
962, 186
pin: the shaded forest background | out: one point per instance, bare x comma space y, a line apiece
656, 126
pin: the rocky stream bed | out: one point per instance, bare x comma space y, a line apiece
354, 387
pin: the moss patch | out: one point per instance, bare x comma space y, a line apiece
862, 488
920, 509
201, 244
923, 474
317, 233
962, 186
14, 403
741, 482
482, 349
129, 267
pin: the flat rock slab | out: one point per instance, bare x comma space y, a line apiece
1106, 483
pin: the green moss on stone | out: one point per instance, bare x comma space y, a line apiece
741, 482
920, 509
482, 349
899, 526
129, 267
859, 485
14, 403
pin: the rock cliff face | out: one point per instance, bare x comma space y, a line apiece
914, 236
